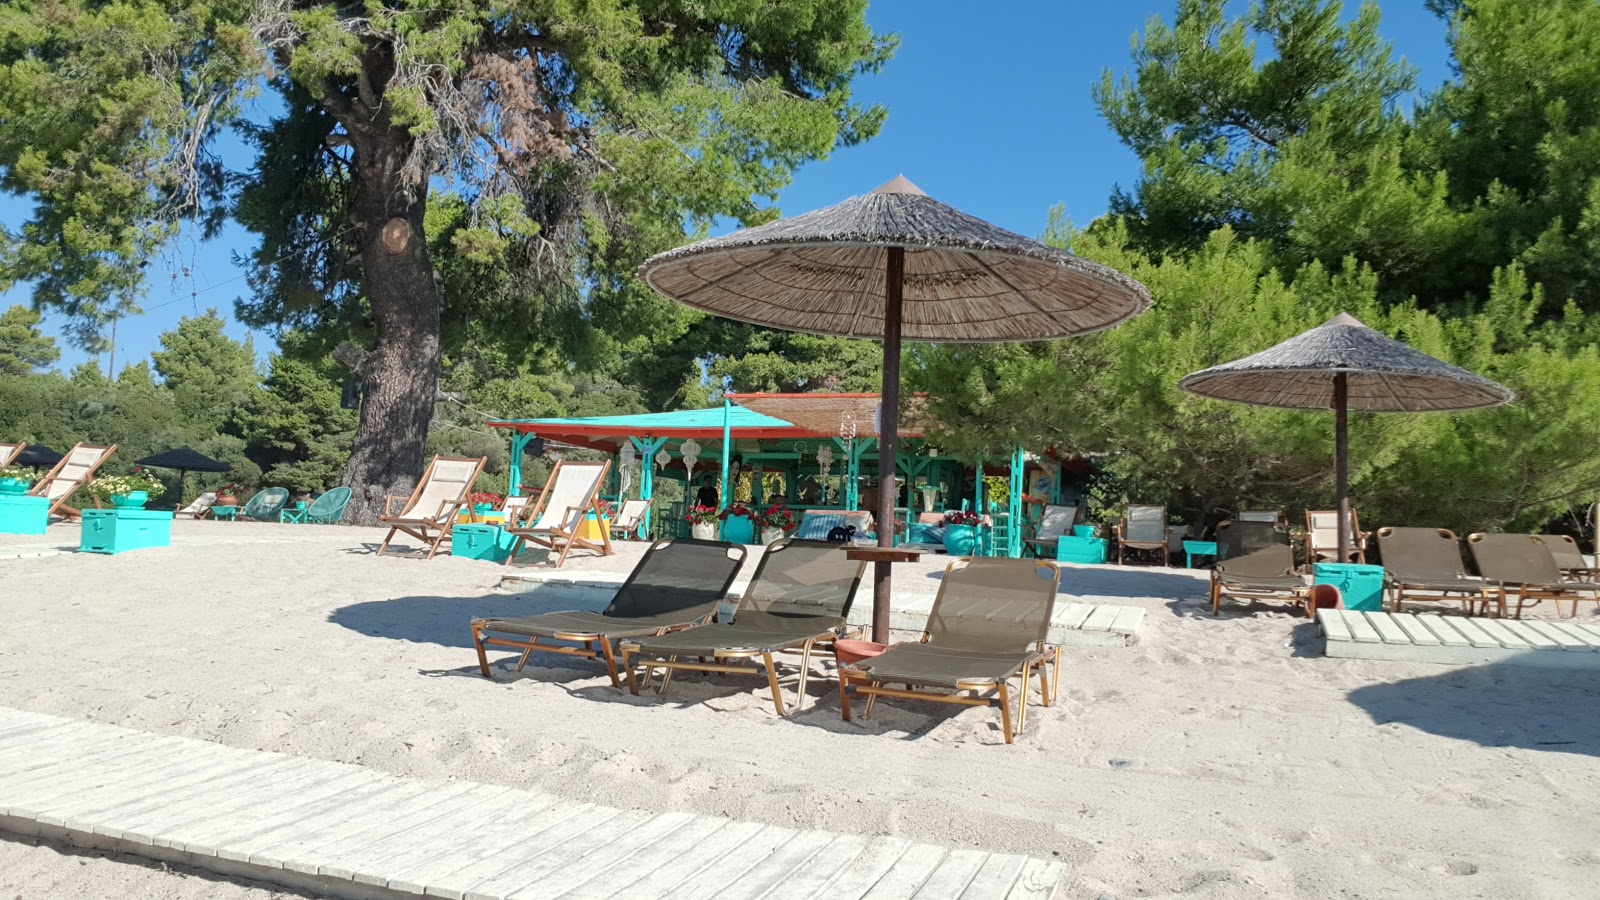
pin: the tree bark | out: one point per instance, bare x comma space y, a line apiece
401, 375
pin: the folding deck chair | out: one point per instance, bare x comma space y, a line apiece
74, 470
1322, 537
800, 597
9, 452
1055, 522
1521, 564
1424, 564
430, 513
571, 494
678, 583
200, 508
629, 518
990, 623
1144, 528
1259, 565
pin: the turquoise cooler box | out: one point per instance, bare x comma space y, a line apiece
1360, 585
490, 542
121, 530
1081, 550
22, 514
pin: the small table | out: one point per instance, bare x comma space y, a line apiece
294, 515
1191, 549
881, 558
225, 513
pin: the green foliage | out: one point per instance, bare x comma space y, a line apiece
294, 429
23, 347
208, 372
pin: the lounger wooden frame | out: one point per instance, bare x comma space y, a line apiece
993, 692
558, 539
59, 507
434, 529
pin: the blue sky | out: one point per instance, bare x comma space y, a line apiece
989, 112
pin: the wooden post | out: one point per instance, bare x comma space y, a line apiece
888, 437
1341, 466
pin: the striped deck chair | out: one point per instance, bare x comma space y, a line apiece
74, 470
9, 452
572, 493
430, 513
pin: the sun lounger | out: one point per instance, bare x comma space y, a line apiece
1569, 559
200, 508
1143, 528
816, 523
328, 508
678, 583
266, 505
9, 452
1521, 564
629, 518
1259, 565
1322, 537
74, 470
571, 494
800, 597
1424, 564
989, 624
430, 514
1054, 523
1269, 516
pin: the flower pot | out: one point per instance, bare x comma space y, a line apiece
130, 500
13, 486
738, 530
226, 500
771, 535
703, 531
847, 651
960, 540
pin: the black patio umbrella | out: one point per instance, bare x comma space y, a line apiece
890, 265
185, 461
37, 456
1345, 365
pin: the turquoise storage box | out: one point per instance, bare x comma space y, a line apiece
1361, 585
22, 514
120, 530
1088, 550
490, 542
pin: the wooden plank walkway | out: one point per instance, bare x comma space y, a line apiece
1459, 640
349, 831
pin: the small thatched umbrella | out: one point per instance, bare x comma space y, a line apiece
1345, 365
185, 461
896, 264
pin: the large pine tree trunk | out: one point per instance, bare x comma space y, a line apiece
402, 373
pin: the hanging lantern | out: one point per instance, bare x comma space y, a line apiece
691, 454
662, 458
627, 455
824, 459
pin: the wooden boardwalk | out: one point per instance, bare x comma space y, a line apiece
349, 831
1460, 640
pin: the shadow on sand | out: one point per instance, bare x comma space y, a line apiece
444, 620
1495, 705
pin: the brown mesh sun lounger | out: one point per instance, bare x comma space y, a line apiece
800, 597
430, 514
75, 470
1424, 564
1569, 559
677, 584
990, 623
1521, 564
1259, 565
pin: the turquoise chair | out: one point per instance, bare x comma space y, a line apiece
265, 505
328, 509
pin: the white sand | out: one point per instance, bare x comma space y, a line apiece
1217, 758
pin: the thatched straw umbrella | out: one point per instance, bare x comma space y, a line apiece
1345, 365
896, 264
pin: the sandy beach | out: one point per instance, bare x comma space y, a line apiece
1217, 757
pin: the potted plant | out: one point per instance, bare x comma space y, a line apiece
228, 495
702, 522
130, 491
961, 532
738, 524
15, 479
777, 521
483, 503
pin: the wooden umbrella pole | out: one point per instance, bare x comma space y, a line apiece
1341, 464
888, 437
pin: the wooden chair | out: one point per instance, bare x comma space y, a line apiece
1144, 528
1055, 522
571, 494
9, 452
430, 513
629, 518
74, 470
1322, 537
